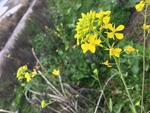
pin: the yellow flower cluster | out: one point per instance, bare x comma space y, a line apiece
95, 30
24, 74
139, 7
90, 28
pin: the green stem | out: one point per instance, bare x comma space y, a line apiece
124, 83
144, 47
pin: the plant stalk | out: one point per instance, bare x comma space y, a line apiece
125, 85
144, 47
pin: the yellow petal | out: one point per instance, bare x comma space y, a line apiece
116, 52
107, 12
110, 35
119, 36
120, 27
140, 6
85, 47
92, 48
106, 20
27, 76
111, 52
110, 27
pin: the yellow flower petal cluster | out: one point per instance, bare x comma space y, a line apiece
107, 63
27, 76
85, 25
91, 29
114, 51
146, 26
128, 49
56, 72
90, 43
101, 15
139, 7
43, 104
24, 73
86, 29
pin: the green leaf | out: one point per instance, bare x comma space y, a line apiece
78, 6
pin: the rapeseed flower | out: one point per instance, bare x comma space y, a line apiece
55, 72
90, 43
43, 104
114, 51
113, 31
107, 63
33, 73
128, 49
27, 76
106, 21
85, 25
101, 14
139, 7
146, 26
95, 71
21, 71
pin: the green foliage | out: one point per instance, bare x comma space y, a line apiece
54, 43
120, 14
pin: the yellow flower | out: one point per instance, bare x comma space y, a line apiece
139, 7
107, 63
90, 43
27, 76
128, 49
101, 15
114, 30
85, 25
137, 103
43, 104
146, 27
56, 72
106, 21
21, 71
33, 73
114, 51
95, 71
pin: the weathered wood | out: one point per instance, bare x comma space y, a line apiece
16, 52
14, 37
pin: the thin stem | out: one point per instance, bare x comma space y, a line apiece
103, 92
144, 47
5, 111
124, 83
